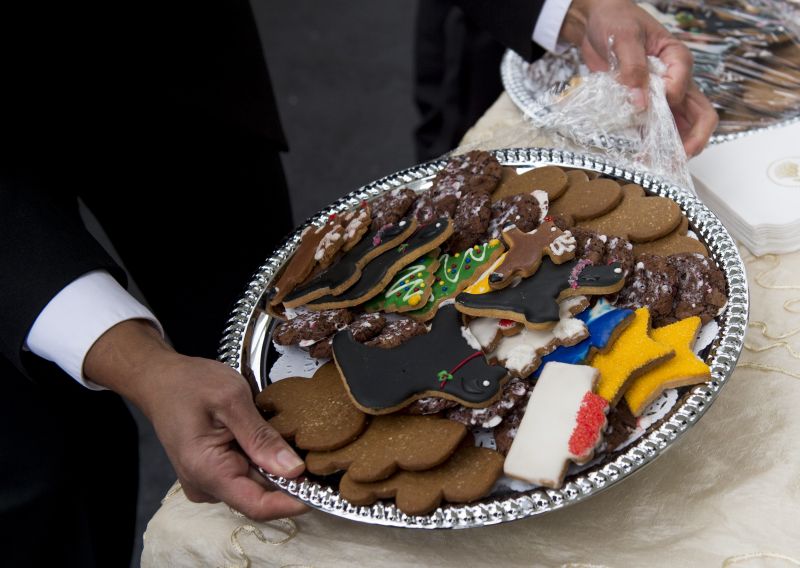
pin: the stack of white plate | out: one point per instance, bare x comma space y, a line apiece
752, 183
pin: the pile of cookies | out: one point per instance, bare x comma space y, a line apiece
545, 309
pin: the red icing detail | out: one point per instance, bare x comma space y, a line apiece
507, 323
589, 425
465, 361
548, 218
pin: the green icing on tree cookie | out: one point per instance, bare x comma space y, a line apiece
409, 289
455, 272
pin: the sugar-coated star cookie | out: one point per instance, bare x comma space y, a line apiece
633, 354
684, 369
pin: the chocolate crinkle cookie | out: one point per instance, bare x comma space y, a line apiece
322, 349
428, 208
653, 283
513, 391
522, 211
470, 222
505, 433
311, 327
367, 326
397, 332
621, 424
390, 207
701, 288
473, 171
430, 405
602, 249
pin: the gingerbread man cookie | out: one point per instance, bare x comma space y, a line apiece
315, 412
563, 422
440, 363
525, 251
467, 476
638, 218
409, 443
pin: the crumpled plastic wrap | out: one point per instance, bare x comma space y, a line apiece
595, 113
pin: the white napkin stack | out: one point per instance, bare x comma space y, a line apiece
753, 185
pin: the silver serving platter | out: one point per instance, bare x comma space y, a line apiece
517, 85
247, 330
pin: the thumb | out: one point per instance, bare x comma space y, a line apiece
633, 69
262, 443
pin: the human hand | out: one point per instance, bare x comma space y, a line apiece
204, 415
589, 24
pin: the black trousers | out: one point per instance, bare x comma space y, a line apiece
192, 215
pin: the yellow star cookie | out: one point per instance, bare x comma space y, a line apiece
684, 369
632, 354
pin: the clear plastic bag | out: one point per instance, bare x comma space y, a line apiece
596, 114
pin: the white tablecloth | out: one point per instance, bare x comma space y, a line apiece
727, 493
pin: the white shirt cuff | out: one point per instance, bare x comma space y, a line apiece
548, 26
77, 316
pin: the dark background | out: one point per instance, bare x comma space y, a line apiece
342, 74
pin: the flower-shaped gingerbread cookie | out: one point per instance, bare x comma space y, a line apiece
468, 475
586, 200
315, 412
396, 441
550, 179
638, 218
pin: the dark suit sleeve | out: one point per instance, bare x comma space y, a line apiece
510, 22
43, 247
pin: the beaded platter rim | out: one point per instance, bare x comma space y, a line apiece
512, 74
245, 333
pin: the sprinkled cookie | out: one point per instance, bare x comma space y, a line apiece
525, 252
550, 179
587, 200
391, 207
395, 333
634, 353
430, 405
563, 422
524, 211
299, 266
701, 288
652, 284
684, 369
675, 243
347, 270
367, 326
380, 271
410, 289
506, 431
440, 363
638, 218
455, 273
473, 171
470, 222
602, 249
534, 301
310, 327
467, 476
489, 417
391, 443
356, 223
316, 413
